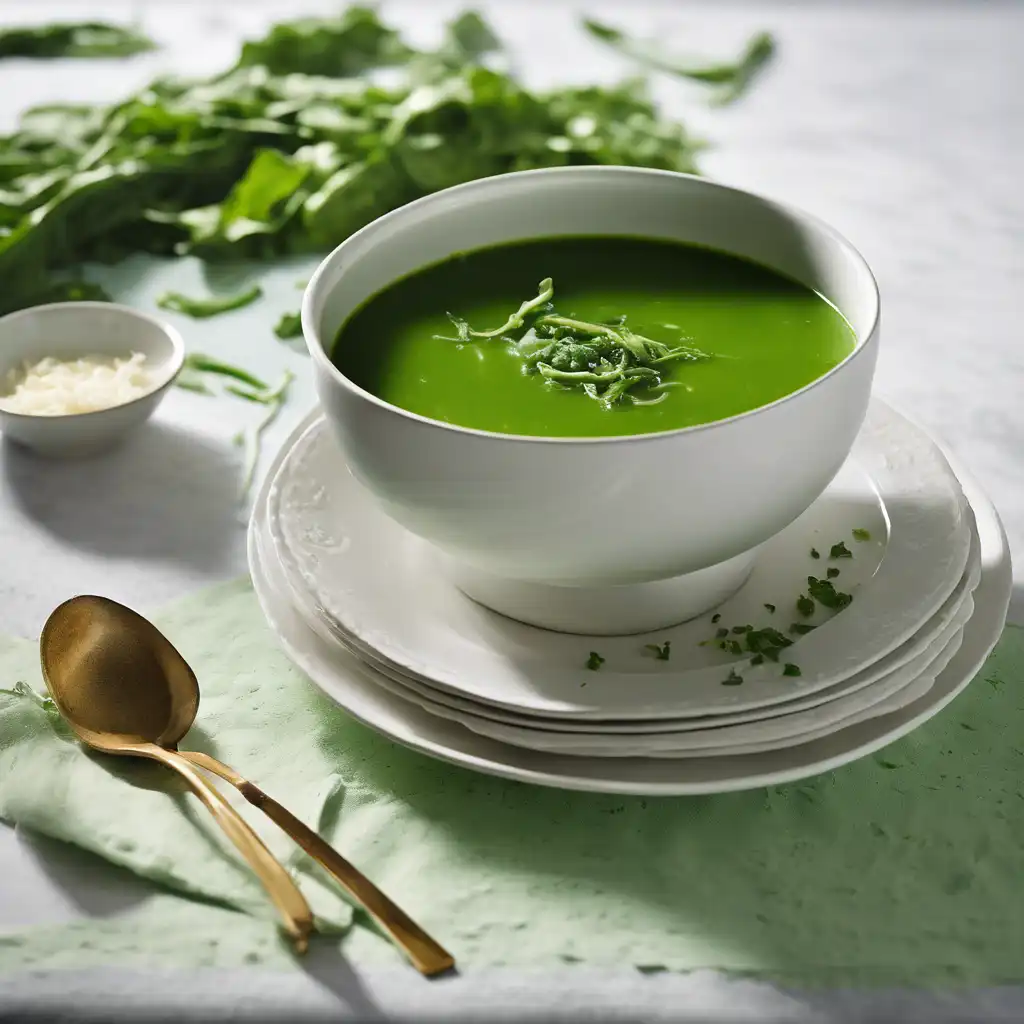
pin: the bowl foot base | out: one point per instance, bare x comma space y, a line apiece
604, 610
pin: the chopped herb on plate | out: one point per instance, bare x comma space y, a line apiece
840, 550
826, 594
595, 661
789, 669
732, 679
832, 572
861, 534
662, 652
805, 606
815, 553
801, 628
770, 607
716, 618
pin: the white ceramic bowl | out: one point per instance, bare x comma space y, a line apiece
70, 330
612, 534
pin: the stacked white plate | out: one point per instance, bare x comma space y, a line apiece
359, 605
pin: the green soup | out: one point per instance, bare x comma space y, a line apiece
760, 336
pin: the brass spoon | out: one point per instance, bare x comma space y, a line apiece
124, 689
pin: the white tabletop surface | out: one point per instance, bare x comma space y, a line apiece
901, 124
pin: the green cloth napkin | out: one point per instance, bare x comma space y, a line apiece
902, 868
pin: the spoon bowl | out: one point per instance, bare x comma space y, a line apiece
115, 677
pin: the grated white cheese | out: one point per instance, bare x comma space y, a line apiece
54, 387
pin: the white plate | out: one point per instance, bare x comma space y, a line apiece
854, 694
883, 696
397, 719
755, 737
375, 584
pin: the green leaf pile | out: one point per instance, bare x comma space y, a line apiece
319, 128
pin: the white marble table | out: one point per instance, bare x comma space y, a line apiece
900, 124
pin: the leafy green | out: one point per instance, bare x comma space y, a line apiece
732, 679
85, 39
69, 291
805, 606
250, 438
595, 661
861, 534
815, 553
197, 367
789, 669
296, 146
730, 79
826, 594
840, 550
289, 326
770, 607
768, 642
662, 652
214, 306
831, 572
334, 47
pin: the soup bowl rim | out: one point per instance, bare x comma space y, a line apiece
319, 352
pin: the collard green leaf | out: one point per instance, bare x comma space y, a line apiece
335, 47
86, 39
348, 200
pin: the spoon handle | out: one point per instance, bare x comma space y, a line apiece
426, 955
282, 890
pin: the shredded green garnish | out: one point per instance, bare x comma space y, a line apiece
861, 534
789, 669
815, 553
805, 606
662, 653
840, 550
832, 572
716, 618
732, 679
770, 607
606, 361
595, 661
214, 306
733, 647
